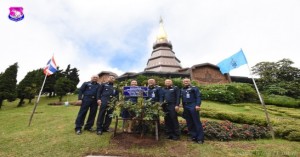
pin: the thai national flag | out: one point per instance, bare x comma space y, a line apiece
51, 67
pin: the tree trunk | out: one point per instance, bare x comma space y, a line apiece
29, 101
1, 101
21, 102
60, 98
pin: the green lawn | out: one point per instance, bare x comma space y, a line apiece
52, 134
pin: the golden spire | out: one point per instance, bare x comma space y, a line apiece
162, 35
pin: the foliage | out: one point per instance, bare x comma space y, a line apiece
144, 109
50, 82
8, 84
278, 78
226, 131
229, 93
63, 86
72, 75
30, 85
112, 104
241, 118
279, 100
143, 80
288, 131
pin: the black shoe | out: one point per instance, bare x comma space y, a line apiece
89, 129
199, 142
194, 139
78, 132
99, 132
175, 138
106, 130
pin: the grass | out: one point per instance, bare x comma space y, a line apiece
278, 115
52, 134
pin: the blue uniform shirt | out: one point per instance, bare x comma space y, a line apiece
190, 94
170, 95
88, 89
154, 93
107, 91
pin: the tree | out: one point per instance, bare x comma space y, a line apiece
63, 86
278, 78
30, 85
8, 84
70, 73
74, 77
50, 82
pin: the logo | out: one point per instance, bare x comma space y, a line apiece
233, 63
16, 14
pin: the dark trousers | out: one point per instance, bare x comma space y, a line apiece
87, 104
194, 124
104, 118
171, 120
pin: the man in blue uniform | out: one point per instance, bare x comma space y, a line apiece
87, 99
106, 92
170, 99
154, 91
154, 94
191, 101
129, 114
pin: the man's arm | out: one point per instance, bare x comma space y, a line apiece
99, 93
177, 96
197, 96
81, 91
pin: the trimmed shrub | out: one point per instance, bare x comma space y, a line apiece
227, 131
283, 101
294, 136
229, 93
236, 118
287, 131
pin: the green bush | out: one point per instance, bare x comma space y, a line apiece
294, 136
227, 131
288, 131
236, 118
283, 101
220, 95
229, 93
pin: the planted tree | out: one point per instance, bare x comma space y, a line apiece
8, 84
279, 78
62, 87
29, 86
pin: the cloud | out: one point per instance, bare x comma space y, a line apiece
97, 36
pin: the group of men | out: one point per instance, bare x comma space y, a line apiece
170, 97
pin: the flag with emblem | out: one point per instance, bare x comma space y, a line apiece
232, 62
51, 67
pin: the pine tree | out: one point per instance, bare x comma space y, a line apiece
29, 86
8, 84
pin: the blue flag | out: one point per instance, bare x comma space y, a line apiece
232, 62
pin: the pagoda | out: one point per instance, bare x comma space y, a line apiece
163, 58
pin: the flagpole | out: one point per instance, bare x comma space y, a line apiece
263, 104
38, 99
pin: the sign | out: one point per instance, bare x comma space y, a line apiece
135, 91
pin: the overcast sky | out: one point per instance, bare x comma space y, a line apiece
118, 35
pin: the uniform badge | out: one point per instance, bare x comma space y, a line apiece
16, 14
